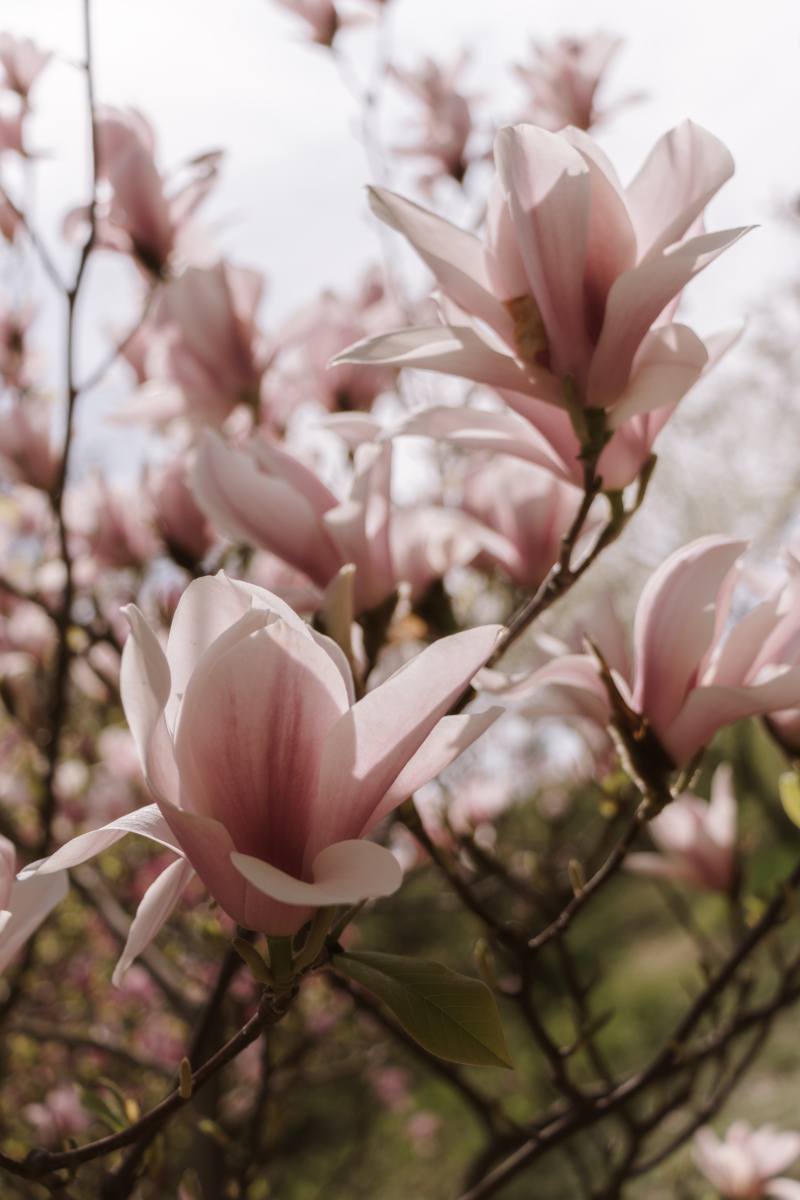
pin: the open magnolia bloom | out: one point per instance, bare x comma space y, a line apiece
697, 838
267, 773
265, 497
568, 299
745, 1165
692, 674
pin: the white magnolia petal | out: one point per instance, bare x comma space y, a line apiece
31, 900
344, 873
154, 908
147, 822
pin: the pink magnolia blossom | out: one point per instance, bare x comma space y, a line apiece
183, 527
568, 299
22, 62
265, 497
697, 838
692, 675
313, 335
745, 1165
141, 218
563, 80
11, 132
268, 774
112, 524
528, 506
203, 353
447, 123
319, 15
60, 1116
27, 453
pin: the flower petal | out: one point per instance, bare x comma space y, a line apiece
548, 189
442, 746
670, 360
371, 743
31, 900
344, 873
154, 908
146, 822
454, 256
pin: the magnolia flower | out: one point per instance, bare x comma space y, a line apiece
202, 354
265, 497
448, 122
141, 219
183, 527
22, 61
692, 675
24, 904
745, 1165
696, 838
528, 506
311, 337
320, 16
568, 299
27, 454
563, 80
267, 773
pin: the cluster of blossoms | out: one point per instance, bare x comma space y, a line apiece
295, 652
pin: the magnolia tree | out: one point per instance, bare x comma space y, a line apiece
429, 871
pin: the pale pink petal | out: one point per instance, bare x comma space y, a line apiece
370, 745
504, 266
708, 709
454, 256
146, 822
612, 241
668, 363
261, 510
145, 690
783, 1189
548, 190
8, 869
659, 866
31, 900
208, 847
674, 625
154, 908
442, 746
476, 429
282, 465
250, 737
344, 873
740, 649
683, 171
450, 351
722, 813
635, 301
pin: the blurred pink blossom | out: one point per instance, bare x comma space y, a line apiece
319, 15
183, 527
563, 79
22, 62
27, 452
745, 1165
447, 122
697, 838
60, 1116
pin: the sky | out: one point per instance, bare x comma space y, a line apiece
241, 75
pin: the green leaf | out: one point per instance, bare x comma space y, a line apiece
97, 1107
452, 1016
789, 786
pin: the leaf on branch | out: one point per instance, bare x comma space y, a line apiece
449, 1014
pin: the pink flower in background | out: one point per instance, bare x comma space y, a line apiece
142, 218
692, 674
568, 299
527, 505
447, 122
697, 838
313, 335
183, 527
745, 1165
10, 218
27, 453
60, 1116
113, 525
22, 62
563, 80
263, 496
320, 16
11, 132
203, 353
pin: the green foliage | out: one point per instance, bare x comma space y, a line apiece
449, 1014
